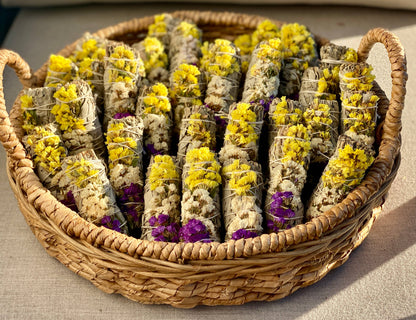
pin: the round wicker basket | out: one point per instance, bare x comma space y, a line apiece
267, 267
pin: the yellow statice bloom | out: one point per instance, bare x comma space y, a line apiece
244, 43
271, 52
186, 81
350, 55
126, 65
158, 27
297, 41
189, 29
29, 115
198, 131
89, 50
281, 115
347, 169
241, 127
82, 173
242, 178
67, 109
157, 101
318, 120
204, 170
296, 145
163, 172
59, 67
48, 149
155, 54
265, 30
120, 149
224, 61
361, 81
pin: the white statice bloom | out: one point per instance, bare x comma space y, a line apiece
122, 176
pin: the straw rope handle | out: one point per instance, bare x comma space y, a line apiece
8, 137
392, 123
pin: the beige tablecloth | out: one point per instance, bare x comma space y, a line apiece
377, 282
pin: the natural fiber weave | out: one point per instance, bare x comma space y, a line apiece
267, 267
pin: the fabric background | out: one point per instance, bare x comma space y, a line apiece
377, 282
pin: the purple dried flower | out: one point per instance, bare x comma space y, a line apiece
280, 210
164, 230
130, 201
162, 219
221, 122
122, 115
152, 221
152, 150
111, 223
69, 201
194, 231
243, 234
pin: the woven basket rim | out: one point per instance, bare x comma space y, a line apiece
71, 223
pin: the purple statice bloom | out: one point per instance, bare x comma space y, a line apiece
122, 115
69, 201
221, 122
152, 150
164, 230
110, 223
243, 234
194, 231
130, 199
279, 210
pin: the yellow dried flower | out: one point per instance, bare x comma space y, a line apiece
61, 68
83, 172
163, 172
242, 178
347, 169
67, 109
296, 145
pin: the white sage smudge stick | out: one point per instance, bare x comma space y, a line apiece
89, 56
344, 171
223, 73
318, 83
359, 115
288, 164
283, 112
76, 113
124, 144
36, 105
356, 77
243, 129
161, 217
45, 147
198, 130
262, 79
162, 28
186, 91
299, 53
154, 107
200, 206
184, 48
265, 30
60, 71
155, 59
332, 56
241, 202
322, 121
93, 194
124, 70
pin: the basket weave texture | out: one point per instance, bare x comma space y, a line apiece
268, 267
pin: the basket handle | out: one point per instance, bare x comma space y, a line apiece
392, 124
8, 136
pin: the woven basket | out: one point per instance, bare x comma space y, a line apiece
267, 267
